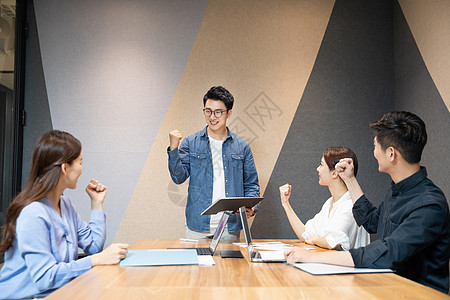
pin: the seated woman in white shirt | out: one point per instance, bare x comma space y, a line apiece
43, 231
334, 226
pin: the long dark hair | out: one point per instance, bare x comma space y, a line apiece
52, 150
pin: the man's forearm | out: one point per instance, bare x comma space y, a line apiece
354, 189
342, 258
301, 254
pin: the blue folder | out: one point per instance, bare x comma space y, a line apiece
160, 257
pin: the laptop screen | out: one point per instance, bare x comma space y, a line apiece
247, 234
218, 233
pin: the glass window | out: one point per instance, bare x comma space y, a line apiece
12, 20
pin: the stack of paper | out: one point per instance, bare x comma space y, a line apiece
272, 255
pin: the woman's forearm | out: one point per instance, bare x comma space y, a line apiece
322, 242
296, 224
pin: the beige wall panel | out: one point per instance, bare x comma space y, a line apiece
429, 21
263, 52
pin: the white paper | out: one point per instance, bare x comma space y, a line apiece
272, 255
274, 247
266, 245
326, 269
206, 260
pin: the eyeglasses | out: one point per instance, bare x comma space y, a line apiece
217, 113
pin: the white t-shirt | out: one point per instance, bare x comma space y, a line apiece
218, 177
338, 225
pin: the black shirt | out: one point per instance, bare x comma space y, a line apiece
413, 232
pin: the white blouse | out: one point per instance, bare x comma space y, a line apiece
338, 225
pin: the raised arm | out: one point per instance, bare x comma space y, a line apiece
296, 224
91, 238
179, 161
345, 169
175, 137
364, 212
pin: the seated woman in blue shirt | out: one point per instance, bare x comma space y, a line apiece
334, 226
43, 231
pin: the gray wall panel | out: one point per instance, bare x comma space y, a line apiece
36, 101
351, 85
111, 69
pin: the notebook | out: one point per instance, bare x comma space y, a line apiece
159, 257
258, 256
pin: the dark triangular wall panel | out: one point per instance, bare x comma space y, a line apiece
36, 100
351, 85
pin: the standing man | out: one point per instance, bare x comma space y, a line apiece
412, 223
220, 164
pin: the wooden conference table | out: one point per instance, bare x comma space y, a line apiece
231, 279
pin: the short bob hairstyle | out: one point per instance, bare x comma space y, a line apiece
332, 156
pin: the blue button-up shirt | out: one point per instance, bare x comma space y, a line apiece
193, 159
43, 255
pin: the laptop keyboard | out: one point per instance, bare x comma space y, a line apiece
203, 251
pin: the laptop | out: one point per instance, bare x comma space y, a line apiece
231, 204
215, 239
258, 256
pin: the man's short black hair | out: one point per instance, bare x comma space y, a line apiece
219, 93
404, 131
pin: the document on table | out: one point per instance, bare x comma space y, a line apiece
267, 245
206, 260
326, 269
277, 255
160, 257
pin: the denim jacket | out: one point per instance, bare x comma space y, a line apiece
193, 158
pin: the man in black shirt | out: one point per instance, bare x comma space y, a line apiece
412, 224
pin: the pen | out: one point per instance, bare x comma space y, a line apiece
188, 240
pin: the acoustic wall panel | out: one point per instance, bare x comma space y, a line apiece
422, 55
351, 85
417, 90
429, 22
263, 52
111, 69
38, 119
